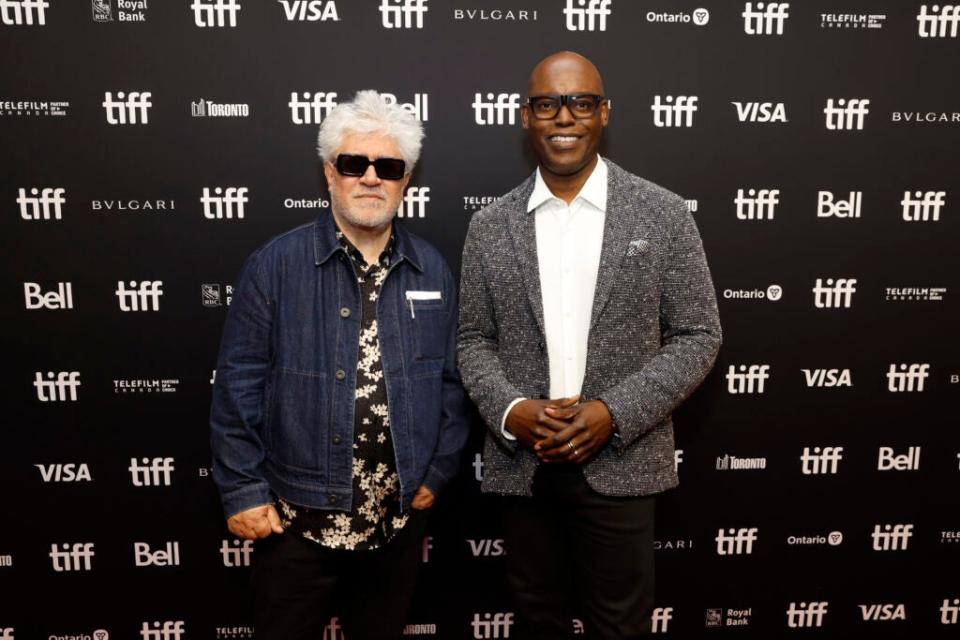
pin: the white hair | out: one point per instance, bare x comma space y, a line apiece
369, 113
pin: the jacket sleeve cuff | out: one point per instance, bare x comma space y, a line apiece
503, 422
246, 497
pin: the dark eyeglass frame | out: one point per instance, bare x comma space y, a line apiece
348, 164
566, 101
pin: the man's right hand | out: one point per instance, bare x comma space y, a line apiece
258, 522
529, 422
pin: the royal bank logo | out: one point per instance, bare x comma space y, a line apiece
119, 10
33, 108
827, 378
166, 630
35, 298
852, 21
820, 460
139, 296
491, 625
215, 13
209, 109
747, 378
307, 108
938, 21
660, 620
495, 109
891, 537
414, 203
166, 556
833, 293
917, 294
151, 472
765, 19
923, 206
212, 295
236, 553
736, 542
756, 204
830, 206
139, 386
310, 10
402, 14
907, 378
801, 615
833, 539
43, 203
889, 460
224, 203
475, 203
419, 107
68, 557
670, 111
761, 112
57, 387
727, 462
24, 12
698, 17
846, 114
496, 15
69, 472
587, 15
132, 108
721, 618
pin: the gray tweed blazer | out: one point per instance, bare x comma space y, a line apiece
654, 331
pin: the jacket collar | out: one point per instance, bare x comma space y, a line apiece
325, 242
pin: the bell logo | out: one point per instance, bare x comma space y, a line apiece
34, 297
850, 208
736, 541
403, 14
909, 461
765, 20
215, 13
924, 206
950, 611
144, 296
827, 377
419, 108
847, 115
311, 110
757, 204
805, 614
169, 556
225, 203
42, 204
587, 15
168, 630
487, 548
236, 553
891, 537
907, 378
24, 12
882, 612
668, 112
310, 10
820, 461
127, 109
492, 625
63, 388
932, 24
414, 203
747, 380
75, 557
64, 472
833, 295
660, 619
499, 109
151, 472
760, 111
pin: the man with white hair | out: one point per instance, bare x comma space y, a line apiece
338, 411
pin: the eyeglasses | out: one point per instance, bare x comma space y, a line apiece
356, 166
580, 106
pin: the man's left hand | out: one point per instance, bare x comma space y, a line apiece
423, 499
591, 427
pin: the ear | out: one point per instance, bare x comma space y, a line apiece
329, 172
404, 182
605, 113
525, 116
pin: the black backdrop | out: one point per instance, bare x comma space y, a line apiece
848, 322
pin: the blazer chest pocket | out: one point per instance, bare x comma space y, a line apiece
426, 315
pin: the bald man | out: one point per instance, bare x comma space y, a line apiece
587, 315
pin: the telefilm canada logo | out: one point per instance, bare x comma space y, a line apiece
138, 386
119, 10
475, 203
33, 108
852, 21
915, 294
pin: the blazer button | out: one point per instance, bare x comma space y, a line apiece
341, 374
540, 346
344, 313
333, 499
337, 439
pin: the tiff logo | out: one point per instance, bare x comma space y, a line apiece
819, 462
587, 15
236, 553
333, 630
167, 630
827, 207
747, 380
229, 205
492, 625
661, 619
34, 297
414, 203
76, 557
847, 115
19, 12
61, 389
806, 614
41, 204
6, 633
670, 113
215, 13
736, 541
938, 25
311, 110
950, 611
133, 110
151, 472
924, 206
834, 294
892, 537
907, 378
501, 109
757, 204
144, 296
310, 10
403, 14
765, 20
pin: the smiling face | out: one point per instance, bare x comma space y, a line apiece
367, 201
565, 145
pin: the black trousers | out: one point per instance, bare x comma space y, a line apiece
298, 585
572, 551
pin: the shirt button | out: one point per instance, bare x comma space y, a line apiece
341, 374
333, 499
337, 439
344, 313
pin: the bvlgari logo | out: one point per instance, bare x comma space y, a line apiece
496, 15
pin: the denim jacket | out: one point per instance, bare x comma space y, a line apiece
282, 416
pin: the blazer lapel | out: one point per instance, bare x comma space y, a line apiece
523, 233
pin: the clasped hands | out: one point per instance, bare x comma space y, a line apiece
561, 430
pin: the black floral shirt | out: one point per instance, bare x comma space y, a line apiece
375, 516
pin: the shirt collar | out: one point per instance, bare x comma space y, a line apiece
594, 190
355, 253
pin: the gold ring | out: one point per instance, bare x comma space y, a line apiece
570, 444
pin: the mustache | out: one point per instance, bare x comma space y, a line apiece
360, 193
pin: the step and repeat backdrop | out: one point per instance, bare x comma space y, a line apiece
149, 147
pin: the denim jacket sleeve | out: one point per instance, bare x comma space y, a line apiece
238, 405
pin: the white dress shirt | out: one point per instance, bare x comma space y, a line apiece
569, 240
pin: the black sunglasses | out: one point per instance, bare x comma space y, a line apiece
580, 105
356, 166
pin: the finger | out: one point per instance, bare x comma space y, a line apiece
273, 518
565, 413
261, 528
582, 442
563, 403
560, 438
554, 425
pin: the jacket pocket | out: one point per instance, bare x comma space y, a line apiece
298, 420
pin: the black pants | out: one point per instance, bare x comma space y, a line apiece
298, 585
572, 551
